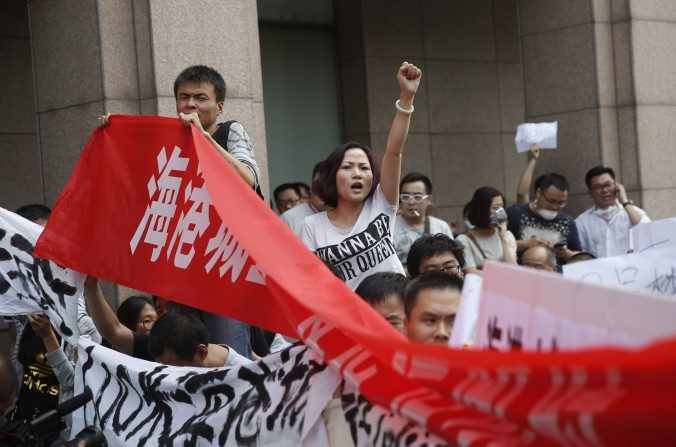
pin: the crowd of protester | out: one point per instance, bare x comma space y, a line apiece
372, 227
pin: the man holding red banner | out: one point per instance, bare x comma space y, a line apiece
200, 93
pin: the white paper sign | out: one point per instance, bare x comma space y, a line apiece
464, 326
542, 133
652, 271
651, 235
537, 311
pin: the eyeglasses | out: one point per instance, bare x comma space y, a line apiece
449, 268
415, 198
290, 202
559, 203
147, 323
598, 188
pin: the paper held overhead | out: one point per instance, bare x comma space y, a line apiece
543, 134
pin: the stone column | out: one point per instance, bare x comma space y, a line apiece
20, 169
122, 56
648, 29
604, 70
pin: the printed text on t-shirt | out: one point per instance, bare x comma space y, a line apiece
362, 251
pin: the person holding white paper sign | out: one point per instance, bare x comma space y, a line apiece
523, 187
542, 223
604, 227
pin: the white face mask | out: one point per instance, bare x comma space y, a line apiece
467, 224
547, 214
607, 213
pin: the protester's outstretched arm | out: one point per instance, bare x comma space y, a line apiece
242, 169
120, 336
408, 78
523, 188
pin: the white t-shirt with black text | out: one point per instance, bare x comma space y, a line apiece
363, 250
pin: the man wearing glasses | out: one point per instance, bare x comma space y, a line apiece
541, 222
414, 199
436, 253
604, 228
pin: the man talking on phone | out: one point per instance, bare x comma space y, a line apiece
604, 228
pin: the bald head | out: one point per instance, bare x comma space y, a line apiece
540, 258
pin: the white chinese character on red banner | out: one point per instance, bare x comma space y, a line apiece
192, 225
158, 215
228, 251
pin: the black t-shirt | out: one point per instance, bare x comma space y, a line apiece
39, 390
141, 347
524, 224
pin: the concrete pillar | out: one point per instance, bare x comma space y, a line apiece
471, 98
560, 71
20, 169
122, 56
604, 70
652, 52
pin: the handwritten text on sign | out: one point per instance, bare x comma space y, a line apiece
537, 311
653, 271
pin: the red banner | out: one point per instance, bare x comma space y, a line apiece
136, 211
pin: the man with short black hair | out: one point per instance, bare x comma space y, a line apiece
541, 222
295, 217
431, 303
36, 213
415, 198
287, 196
182, 340
199, 93
436, 253
604, 227
384, 291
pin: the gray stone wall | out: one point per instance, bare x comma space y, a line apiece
471, 99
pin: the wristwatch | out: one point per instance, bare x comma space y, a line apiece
628, 202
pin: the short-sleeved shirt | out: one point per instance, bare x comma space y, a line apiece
491, 246
362, 250
239, 146
524, 224
235, 358
405, 235
295, 217
606, 232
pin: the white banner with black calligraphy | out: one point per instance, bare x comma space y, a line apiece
277, 401
33, 285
